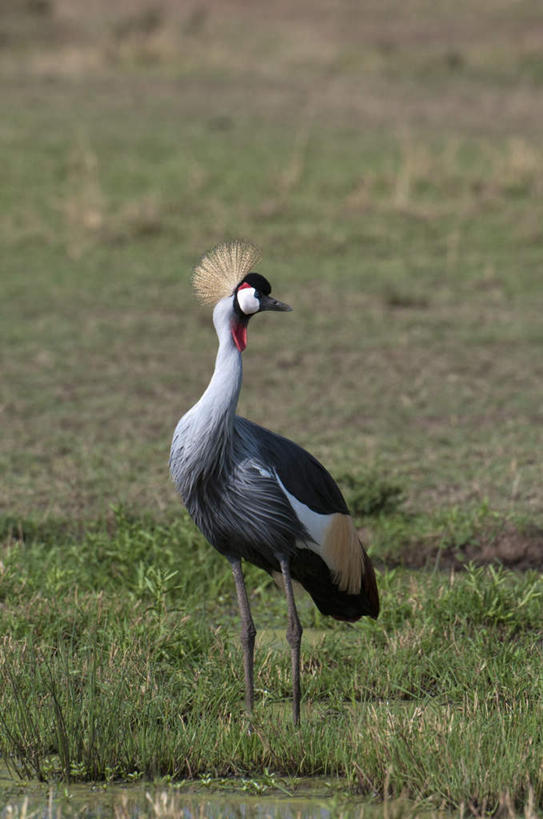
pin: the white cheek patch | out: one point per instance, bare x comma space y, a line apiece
247, 301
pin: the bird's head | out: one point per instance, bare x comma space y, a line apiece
224, 278
252, 295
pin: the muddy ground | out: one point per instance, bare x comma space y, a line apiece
510, 547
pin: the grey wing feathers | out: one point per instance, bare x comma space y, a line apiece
300, 473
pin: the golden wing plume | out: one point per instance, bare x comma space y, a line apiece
221, 269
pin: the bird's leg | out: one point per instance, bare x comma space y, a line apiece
294, 639
248, 633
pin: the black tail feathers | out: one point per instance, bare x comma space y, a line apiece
312, 572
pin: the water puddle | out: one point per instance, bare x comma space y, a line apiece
300, 799
135, 802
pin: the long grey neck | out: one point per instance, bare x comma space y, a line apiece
203, 440
218, 403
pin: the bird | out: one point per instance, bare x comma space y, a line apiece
255, 495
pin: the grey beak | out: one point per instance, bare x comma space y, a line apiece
269, 303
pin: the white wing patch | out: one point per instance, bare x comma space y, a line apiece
315, 523
335, 540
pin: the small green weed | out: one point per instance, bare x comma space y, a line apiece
369, 494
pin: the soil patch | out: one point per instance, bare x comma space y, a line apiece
509, 547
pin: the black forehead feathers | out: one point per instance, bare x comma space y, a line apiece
258, 282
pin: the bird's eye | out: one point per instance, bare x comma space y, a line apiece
257, 294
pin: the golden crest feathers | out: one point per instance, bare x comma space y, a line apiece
222, 268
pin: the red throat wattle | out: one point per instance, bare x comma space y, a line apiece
239, 334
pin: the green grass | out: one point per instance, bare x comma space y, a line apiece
121, 659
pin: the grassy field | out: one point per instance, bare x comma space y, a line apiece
387, 158
395, 192
117, 663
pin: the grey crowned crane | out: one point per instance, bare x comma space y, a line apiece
258, 496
